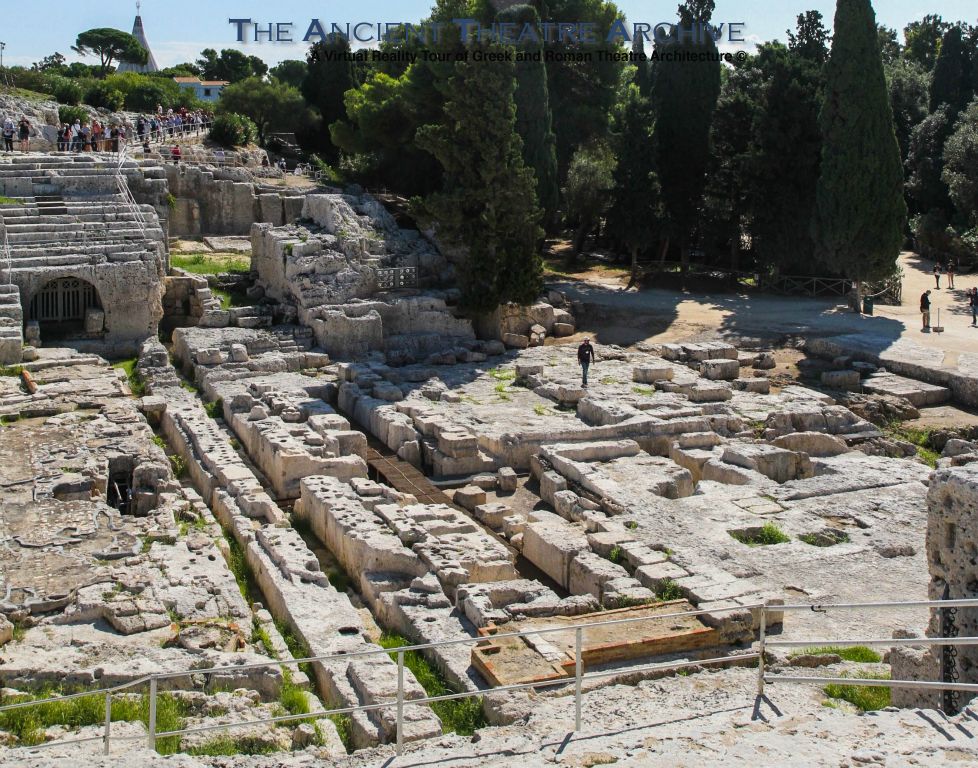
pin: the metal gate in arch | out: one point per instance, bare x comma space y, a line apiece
64, 300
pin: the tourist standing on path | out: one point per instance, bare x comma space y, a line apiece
973, 305
925, 310
585, 356
950, 274
937, 275
25, 135
8, 135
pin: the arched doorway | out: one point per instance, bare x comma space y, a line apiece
60, 306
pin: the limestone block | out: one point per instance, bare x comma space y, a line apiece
6, 630
757, 385
524, 370
507, 479
457, 444
564, 503
28, 354
470, 497
570, 394
239, 353
552, 547
775, 463
915, 663
710, 393
215, 318
589, 572
485, 482
649, 374
550, 484
720, 370
562, 330
492, 514
765, 361
210, 356
841, 379
605, 542
516, 341
652, 576
812, 443
351, 443
94, 320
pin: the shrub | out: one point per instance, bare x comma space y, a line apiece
71, 114
66, 91
233, 131
149, 92
104, 96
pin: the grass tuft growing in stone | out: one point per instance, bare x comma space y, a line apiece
648, 391
132, 375
863, 697
857, 653
921, 438
11, 370
668, 590
461, 716
215, 410
210, 264
230, 745
768, 535
501, 374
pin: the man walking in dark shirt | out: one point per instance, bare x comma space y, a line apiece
585, 356
925, 310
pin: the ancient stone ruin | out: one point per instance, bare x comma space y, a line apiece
341, 461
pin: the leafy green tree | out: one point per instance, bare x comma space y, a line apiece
636, 212
590, 179
925, 163
104, 96
922, 40
961, 165
727, 201
685, 93
860, 212
582, 94
785, 168
487, 203
533, 118
231, 65
908, 85
230, 130
270, 106
291, 72
66, 90
55, 64
890, 48
951, 80
328, 77
110, 45
810, 39
180, 70
643, 67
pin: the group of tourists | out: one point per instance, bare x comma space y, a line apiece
970, 296
21, 130
162, 126
82, 136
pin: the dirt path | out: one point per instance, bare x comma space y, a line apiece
656, 315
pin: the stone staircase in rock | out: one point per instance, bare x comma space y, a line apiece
51, 232
83, 176
11, 325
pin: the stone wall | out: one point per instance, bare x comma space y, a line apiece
952, 544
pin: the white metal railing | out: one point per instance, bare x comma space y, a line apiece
6, 262
579, 678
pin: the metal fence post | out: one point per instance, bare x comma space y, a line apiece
152, 714
761, 644
578, 669
400, 702
108, 724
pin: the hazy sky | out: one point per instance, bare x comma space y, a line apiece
179, 29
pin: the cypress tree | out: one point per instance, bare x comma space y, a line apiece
636, 211
534, 122
685, 94
860, 212
950, 83
487, 203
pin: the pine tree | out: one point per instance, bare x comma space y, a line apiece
950, 83
635, 215
860, 212
487, 203
533, 118
685, 94
643, 67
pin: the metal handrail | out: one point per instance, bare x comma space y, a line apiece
578, 678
